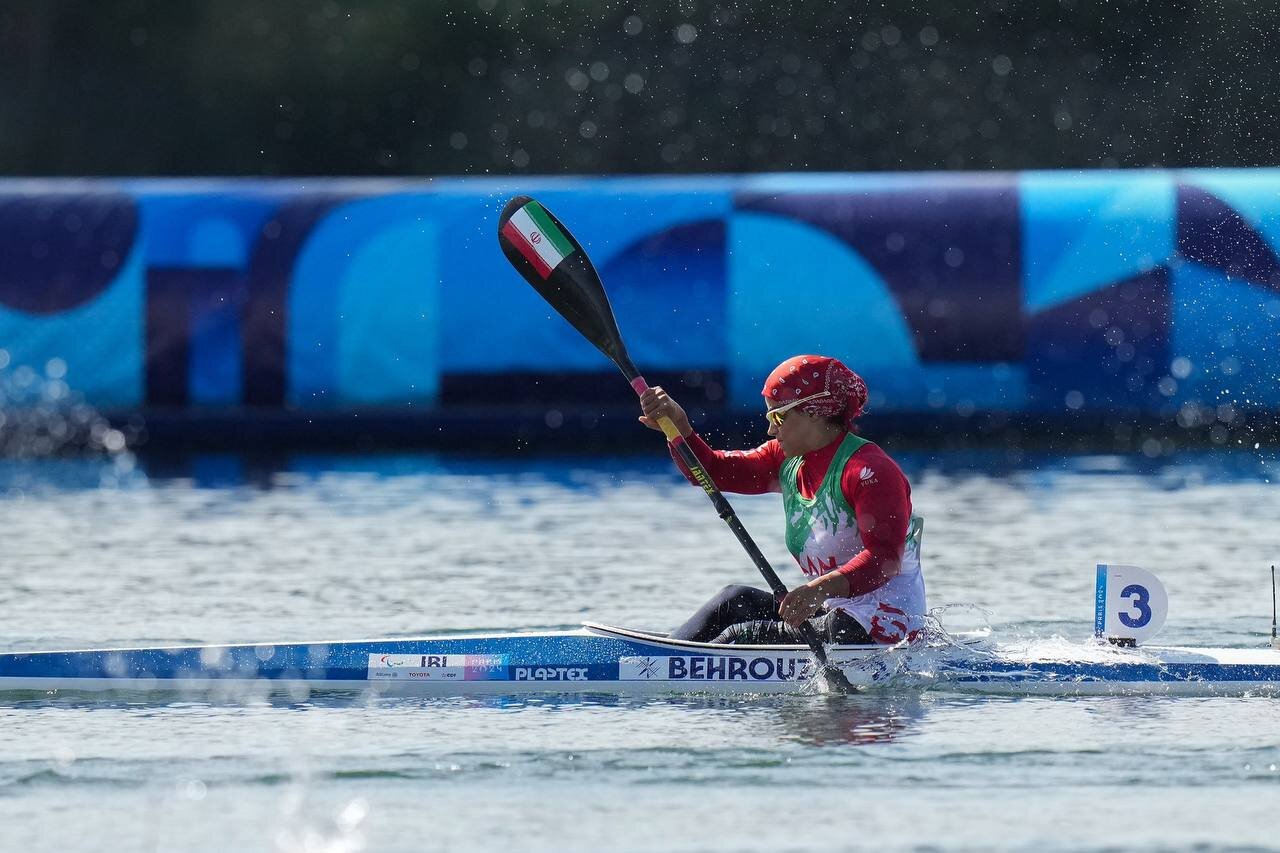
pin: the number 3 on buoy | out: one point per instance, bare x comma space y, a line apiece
1130, 604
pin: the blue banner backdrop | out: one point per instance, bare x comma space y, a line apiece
1142, 292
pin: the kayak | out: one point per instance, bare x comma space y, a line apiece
603, 659
1130, 606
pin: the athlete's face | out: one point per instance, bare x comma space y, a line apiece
798, 432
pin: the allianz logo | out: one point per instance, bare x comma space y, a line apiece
715, 668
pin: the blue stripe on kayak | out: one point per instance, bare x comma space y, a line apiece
597, 657
1092, 673
341, 662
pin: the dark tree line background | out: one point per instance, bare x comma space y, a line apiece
438, 87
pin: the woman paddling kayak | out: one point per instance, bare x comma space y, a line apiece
848, 515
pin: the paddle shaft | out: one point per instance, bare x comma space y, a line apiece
726, 512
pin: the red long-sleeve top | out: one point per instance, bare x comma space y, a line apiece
881, 501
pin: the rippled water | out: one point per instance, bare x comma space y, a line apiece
224, 549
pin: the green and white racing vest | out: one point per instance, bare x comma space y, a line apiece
822, 535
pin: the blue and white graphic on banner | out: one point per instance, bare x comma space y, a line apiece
100, 341
1084, 231
1152, 291
842, 296
363, 305
1225, 335
845, 309
217, 232
1250, 192
205, 230
659, 247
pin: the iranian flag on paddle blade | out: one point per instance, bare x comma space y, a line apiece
531, 230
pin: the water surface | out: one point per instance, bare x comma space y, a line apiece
221, 549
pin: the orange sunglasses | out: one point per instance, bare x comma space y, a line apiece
777, 415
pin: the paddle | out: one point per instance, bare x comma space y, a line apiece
547, 255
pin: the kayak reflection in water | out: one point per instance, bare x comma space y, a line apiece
848, 515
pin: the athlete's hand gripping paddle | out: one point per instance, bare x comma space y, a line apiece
547, 255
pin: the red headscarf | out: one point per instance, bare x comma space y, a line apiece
805, 375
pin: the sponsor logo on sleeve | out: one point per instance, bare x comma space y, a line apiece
716, 668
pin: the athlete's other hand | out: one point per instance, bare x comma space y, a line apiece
800, 604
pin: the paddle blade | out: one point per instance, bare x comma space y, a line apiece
547, 255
